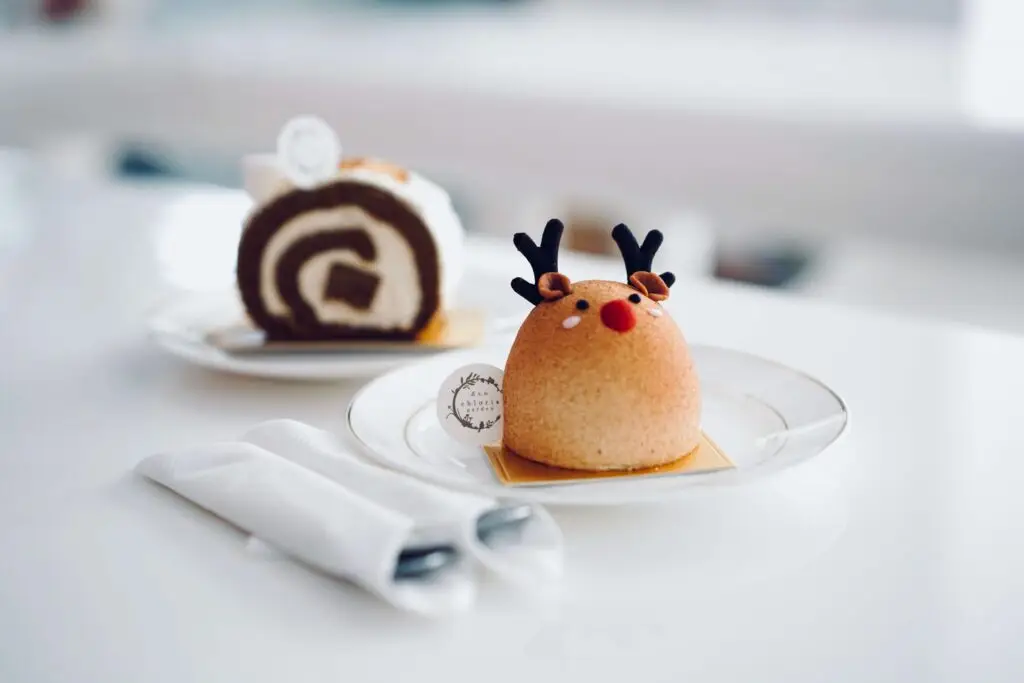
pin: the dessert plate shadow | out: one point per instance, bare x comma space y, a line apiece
193, 327
765, 417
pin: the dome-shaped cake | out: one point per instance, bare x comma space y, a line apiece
599, 376
372, 251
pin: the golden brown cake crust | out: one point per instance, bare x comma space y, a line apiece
587, 396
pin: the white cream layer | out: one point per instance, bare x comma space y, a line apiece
398, 296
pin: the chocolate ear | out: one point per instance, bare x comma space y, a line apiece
553, 286
543, 260
650, 285
638, 258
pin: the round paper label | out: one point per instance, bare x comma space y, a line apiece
469, 404
308, 150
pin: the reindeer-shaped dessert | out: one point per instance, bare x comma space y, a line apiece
599, 376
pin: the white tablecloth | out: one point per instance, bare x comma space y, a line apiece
894, 557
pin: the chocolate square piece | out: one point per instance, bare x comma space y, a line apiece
351, 285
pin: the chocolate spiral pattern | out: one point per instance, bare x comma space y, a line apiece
353, 286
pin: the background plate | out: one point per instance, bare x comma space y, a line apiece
180, 327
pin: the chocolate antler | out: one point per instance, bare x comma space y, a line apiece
548, 283
639, 258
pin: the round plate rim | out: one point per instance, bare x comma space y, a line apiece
167, 331
563, 495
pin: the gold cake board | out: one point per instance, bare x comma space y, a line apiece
514, 470
458, 328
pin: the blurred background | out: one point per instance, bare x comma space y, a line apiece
863, 151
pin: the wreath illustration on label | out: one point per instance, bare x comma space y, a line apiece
467, 383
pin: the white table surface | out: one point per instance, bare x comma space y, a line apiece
894, 557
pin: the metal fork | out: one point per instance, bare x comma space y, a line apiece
501, 525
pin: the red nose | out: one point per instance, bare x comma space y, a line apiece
618, 315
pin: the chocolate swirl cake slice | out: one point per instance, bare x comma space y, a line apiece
372, 252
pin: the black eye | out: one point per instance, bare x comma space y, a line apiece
635, 298
582, 304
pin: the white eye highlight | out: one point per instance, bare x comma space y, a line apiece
571, 322
656, 312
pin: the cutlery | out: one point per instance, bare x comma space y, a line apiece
494, 527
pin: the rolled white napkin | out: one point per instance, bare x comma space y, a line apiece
311, 518
529, 557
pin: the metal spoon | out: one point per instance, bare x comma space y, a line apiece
494, 527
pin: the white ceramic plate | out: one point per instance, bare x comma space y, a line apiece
765, 416
181, 325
